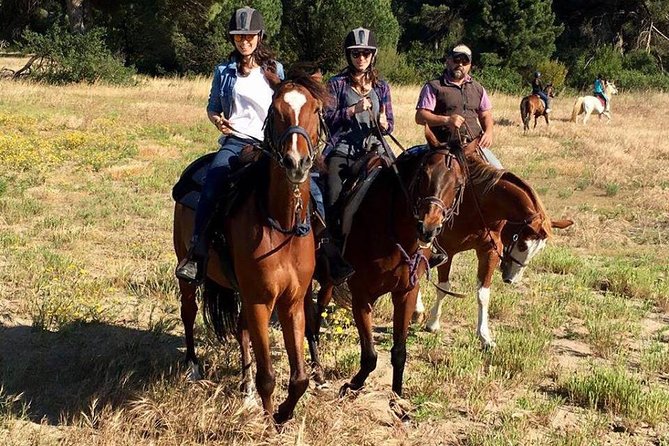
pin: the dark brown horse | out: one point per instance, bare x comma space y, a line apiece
271, 247
388, 243
533, 105
503, 220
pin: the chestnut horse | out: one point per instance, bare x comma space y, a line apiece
503, 220
387, 245
533, 105
270, 244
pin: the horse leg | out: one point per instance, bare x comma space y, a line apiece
362, 314
257, 321
312, 326
402, 304
488, 261
546, 118
535, 122
246, 386
432, 325
419, 311
188, 313
291, 316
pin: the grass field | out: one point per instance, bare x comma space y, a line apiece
91, 338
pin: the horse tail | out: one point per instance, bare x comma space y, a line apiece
221, 309
577, 109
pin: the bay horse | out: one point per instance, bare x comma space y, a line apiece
271, 246
533, 106
388, 244
588, 104
503, 219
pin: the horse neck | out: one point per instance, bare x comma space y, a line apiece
507, 201
281, 199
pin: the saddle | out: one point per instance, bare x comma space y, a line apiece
359, 178
188, 188
601, 99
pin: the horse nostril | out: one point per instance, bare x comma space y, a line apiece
289, 162
507, 280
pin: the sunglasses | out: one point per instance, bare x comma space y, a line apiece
240, 37
461, 61
357, 53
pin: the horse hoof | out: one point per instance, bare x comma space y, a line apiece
322, 385
281, 418
432, 328
193, 374
346, 387
488, 346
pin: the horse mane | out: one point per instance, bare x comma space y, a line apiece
483, 174
309, 77
538, 204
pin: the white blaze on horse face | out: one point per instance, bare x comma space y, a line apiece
514, 272
296, 100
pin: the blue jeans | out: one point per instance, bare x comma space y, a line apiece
217, 174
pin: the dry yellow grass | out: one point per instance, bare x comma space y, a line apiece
94, 238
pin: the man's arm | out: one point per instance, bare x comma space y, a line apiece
487, 124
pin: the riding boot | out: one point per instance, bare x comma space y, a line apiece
330, 264
193, 267
437, 259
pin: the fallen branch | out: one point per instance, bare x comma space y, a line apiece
25, 68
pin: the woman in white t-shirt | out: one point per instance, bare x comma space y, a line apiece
240, 98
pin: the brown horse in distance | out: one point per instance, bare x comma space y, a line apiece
533, 105
273, 261
388, 243
503, 220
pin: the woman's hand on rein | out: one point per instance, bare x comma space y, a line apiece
362, 105
383, 120
222, 125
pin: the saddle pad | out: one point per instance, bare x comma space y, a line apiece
355, 198
187, 190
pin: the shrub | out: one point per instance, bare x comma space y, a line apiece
64, 57
394, 67
501, 79
553, 71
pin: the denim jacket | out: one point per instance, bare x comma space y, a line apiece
223, 84
336, 116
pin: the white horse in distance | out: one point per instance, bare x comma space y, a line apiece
589, 104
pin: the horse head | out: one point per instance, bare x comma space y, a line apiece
294, 125
610, 88
436, 190
524, 239
549, 90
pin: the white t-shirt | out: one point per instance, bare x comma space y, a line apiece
251, 97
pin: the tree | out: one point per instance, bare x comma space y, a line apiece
519, 33
314, 30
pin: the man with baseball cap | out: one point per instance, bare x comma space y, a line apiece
447, 103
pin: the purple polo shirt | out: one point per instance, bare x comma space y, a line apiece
428, 99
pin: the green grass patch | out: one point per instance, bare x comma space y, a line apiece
613, 390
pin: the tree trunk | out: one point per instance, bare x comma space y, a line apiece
75, 14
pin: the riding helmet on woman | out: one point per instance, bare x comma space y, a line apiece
246, 20
360, 39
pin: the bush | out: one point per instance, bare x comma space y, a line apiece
628, 80
394, 67
606, 61
64, 57
501, 79
554, 72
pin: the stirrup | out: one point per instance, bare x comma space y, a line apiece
191, 270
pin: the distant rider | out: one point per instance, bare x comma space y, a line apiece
539, 89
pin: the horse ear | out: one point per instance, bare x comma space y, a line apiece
561, 224
431, 139
317, 75
273, 79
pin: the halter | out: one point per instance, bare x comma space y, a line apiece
447, 212
271, 147
507, 250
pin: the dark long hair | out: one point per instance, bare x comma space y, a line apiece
371, 73
263, 56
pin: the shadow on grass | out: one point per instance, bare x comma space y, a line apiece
60, 374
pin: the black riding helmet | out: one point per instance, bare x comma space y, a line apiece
360, 39
246, 20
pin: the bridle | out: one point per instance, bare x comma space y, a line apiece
508, 249
447, 212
